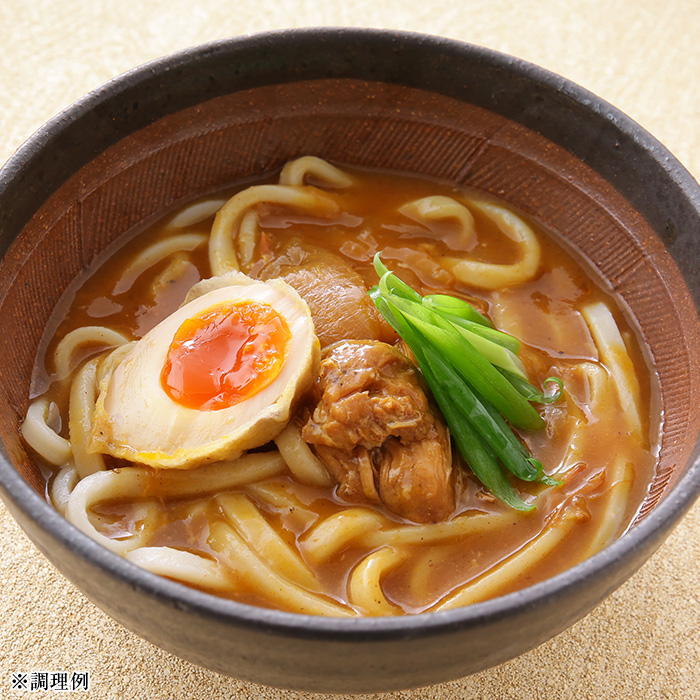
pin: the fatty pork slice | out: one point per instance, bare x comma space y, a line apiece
335, 293
375, 430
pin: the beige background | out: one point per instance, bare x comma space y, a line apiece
641, 55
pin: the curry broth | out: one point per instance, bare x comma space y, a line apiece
370, 223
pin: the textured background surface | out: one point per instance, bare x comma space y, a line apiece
641, 55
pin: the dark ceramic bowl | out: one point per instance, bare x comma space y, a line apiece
205, 117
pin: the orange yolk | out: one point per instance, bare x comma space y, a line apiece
225, 354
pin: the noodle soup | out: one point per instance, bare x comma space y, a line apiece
325, 479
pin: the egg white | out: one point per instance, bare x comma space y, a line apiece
136, 419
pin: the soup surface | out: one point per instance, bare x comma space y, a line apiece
275, 442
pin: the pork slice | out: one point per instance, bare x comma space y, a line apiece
336, 294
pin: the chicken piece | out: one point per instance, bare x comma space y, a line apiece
415, 479
375, 430
336, 294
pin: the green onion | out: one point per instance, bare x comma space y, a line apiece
477, 381
530, 392
495, 336
458, 308
393, 283
493, 349
471, 445
470, 364
474, 448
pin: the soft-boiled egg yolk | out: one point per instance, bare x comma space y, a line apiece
225, 354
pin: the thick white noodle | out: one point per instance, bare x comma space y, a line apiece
196, 213
616, 359
44, 440
247, 240
509, 570
367, 528
105, 486
302, 462
494, 276
297, 516
176, 268
62, 486
438, 208
155, 253
619, 477
618, 474
83, 395
221, 476
433, 533
96, 336
183, 566
365, 585
247, 565
132, 483
323, 174
265, 540
222, 250
339, 530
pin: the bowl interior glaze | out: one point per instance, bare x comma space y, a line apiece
194, 123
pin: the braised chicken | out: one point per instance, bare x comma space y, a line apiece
375, 430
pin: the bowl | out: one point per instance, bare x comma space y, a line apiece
223, 112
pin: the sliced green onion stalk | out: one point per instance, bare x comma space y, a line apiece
495, 336
476, 378
457, 308
533, 394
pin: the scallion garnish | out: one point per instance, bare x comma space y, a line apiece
476, 378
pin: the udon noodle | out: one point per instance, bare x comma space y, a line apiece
273, 524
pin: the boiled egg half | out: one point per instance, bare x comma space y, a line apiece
215, 378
